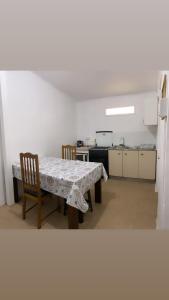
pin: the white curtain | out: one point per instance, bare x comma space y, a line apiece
163, 171
2, 182
2, 198
166, 166
161, 149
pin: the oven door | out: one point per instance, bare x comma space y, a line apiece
100, 156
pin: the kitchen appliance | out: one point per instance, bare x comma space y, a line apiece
99, 154
104, 140
79, 143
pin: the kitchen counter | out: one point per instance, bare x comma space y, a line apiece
85, 149
131, 149
133, 162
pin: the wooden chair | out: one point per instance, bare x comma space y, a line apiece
31, 185
69, 152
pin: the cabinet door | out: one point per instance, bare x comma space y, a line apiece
115, 163
130, 164
147, 164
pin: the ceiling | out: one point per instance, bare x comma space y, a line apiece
99, 84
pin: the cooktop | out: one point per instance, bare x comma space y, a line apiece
100, 148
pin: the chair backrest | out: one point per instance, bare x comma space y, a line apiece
68, 152
30, 173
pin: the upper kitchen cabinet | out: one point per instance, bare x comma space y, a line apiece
150, 111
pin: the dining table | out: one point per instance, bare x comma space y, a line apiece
68, 179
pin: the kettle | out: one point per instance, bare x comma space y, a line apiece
80, 143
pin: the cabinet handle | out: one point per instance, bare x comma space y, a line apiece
142, 154
119, 153
125, 154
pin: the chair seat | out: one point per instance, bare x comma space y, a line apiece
33, 194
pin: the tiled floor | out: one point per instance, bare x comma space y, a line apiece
126, 205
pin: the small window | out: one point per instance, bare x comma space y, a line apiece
120, 111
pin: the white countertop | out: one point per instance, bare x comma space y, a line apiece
132, 149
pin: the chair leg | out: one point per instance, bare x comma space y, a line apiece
39, 221
90, 200
24, 208
65, 208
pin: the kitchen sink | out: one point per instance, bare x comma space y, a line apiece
123, 147
120, 147
139, 148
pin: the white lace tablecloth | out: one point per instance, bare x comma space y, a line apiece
69, 179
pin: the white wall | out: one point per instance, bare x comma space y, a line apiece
37, 118
91, 117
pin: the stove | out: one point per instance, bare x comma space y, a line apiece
104, 140
99, 154
100, 148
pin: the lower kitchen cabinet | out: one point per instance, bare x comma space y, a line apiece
133, 164
147, 164
130, 164
115, 163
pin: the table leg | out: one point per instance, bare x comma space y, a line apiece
73, 217
98, 192
81, 217
15, 188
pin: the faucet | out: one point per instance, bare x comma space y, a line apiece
123, 140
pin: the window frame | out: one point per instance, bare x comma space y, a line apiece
120, 111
